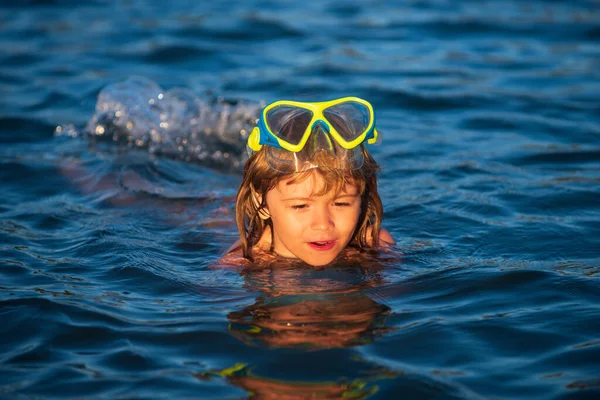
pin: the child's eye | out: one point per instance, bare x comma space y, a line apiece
299, 206
341, 204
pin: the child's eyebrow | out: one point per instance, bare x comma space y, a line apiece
298, 199
309, 198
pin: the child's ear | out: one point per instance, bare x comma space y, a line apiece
263, 212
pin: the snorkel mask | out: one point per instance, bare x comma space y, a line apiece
301, 135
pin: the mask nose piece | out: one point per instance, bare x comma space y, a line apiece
320, 139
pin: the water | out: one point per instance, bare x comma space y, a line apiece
109, 230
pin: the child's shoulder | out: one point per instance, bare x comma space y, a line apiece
234, 257
385, 238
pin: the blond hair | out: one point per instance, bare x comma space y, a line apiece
259, 178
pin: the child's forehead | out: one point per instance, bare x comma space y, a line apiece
314, 183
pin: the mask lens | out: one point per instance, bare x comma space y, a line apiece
288, 122
350, 119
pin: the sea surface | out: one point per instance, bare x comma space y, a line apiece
122, 139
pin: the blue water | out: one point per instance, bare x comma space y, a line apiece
121, 131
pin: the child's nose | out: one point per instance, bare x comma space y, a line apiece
321, 219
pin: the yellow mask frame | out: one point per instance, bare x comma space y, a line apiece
263, 134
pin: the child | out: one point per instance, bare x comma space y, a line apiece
309, 189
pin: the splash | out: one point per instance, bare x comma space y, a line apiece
138, 113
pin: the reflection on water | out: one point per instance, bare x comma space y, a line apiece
260, 387
310, 321
300, 306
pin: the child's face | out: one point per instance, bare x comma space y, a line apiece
312, 228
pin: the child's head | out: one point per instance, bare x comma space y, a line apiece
317, 199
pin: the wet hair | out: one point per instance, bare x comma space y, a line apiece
259, 178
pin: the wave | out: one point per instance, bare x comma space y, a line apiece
138, 113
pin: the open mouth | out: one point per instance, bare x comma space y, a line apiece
322, 245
